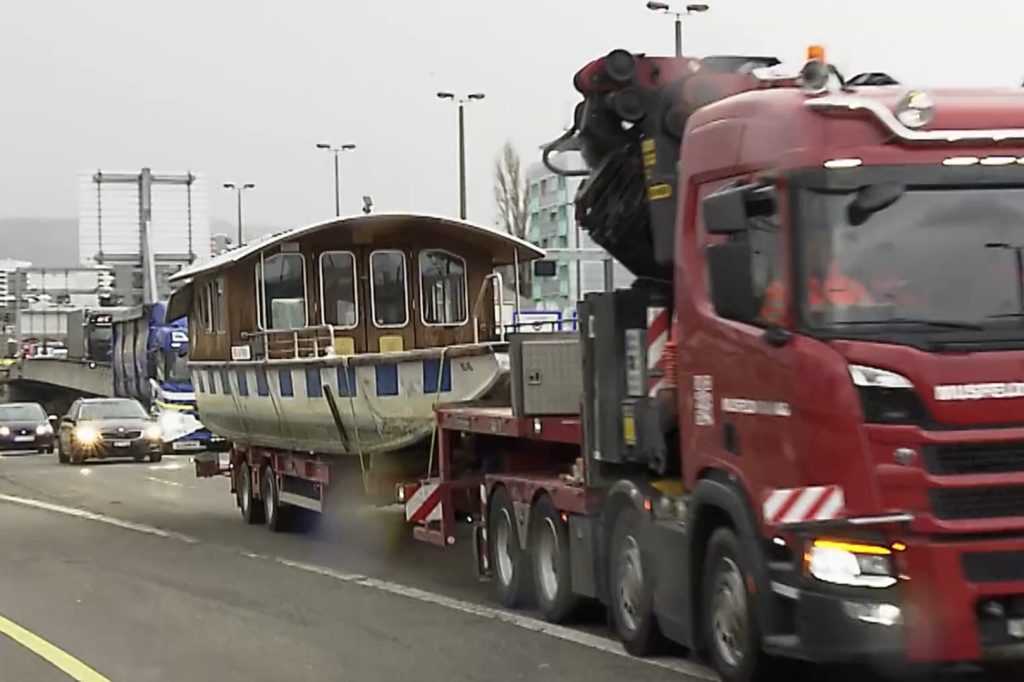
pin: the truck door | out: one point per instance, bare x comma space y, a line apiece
390, 298
740, 391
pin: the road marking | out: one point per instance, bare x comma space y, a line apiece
164, 480
59, 659
518, 620
101, 518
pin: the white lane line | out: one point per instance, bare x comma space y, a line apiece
101, 518
163, 480
518, 620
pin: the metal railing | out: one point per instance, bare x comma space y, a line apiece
286, 344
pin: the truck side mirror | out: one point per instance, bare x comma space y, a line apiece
728, 210
732, 281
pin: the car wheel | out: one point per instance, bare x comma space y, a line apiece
156, 456
62, 456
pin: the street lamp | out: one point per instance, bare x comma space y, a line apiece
336, 150
238, 189
461, 101
667, 9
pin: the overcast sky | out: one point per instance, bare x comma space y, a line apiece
242, 89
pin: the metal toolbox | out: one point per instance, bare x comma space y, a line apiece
547, 374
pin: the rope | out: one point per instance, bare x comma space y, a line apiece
349, 381
437, 398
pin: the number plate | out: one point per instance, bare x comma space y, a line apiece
187, 445
122, 443
24, 439
1015, 627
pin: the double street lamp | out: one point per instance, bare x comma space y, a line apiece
461, 101
238, 188
667, 9
336, 150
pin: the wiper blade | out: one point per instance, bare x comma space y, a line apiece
938, 324
1003, 315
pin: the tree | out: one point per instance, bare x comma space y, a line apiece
512, 200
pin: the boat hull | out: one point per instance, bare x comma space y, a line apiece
384, 402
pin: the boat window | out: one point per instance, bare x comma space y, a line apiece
219, 306
205, 318
388, 289
281, 279
338, 289
443, 295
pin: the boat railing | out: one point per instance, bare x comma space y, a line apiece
500, 283
287, 344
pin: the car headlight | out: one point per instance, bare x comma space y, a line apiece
886, 397
850, 563
152, 432
4, 431
44, 430
86, 434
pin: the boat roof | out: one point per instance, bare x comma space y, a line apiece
500, 245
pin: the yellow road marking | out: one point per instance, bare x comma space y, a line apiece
61, 660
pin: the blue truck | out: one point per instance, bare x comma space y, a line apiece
150, 363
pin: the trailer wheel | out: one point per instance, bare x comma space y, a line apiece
511, 565
631, 599
251, 511
730, 628
274, 512
552, 571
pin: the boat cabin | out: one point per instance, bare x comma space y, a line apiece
369, 284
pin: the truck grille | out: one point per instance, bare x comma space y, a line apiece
975, 458
978, 503
993, 567
126, 435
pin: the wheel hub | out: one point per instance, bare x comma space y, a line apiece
547, 560
729, 613
631, 583
502, 551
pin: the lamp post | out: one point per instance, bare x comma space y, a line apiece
461, 101
664, 7
238, 188
336, 150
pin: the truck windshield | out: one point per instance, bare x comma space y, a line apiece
942, 257
176, 366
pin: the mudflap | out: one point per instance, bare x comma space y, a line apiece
207, 464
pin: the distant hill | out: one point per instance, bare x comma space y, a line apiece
53, 242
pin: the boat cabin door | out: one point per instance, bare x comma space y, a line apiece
388, 300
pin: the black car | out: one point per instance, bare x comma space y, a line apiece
105, 428
25, 426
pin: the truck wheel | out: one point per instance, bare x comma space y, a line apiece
275, 513
511, 565
730, 628
252, 512
552, 571
632, 591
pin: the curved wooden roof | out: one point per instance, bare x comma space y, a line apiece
501, 246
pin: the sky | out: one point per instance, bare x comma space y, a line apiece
243, 89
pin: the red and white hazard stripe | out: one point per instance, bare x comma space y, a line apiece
424, 504
657, 338
800, 505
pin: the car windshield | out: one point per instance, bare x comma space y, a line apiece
19, 412
939, 257
113, 409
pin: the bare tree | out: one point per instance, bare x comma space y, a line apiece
511, 199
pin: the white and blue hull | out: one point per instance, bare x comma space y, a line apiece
385, 402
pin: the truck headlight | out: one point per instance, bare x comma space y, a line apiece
886, 397
86, 434
850, 563
152, 432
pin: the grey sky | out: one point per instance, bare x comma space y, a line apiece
243, 89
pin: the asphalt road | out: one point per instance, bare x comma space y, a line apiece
141, 572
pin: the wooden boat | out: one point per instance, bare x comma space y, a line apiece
340, 337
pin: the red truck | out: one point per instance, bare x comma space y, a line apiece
802, 430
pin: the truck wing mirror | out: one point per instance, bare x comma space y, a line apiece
545, 268
727, 210
732, 281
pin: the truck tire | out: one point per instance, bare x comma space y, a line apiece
509, 563
552, 570
274, 513
252, 511
730, 627
631, 588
